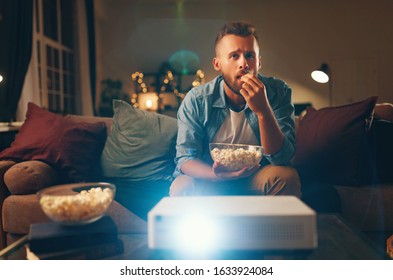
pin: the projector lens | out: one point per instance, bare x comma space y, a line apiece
196, 234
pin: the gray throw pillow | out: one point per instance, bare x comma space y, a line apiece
140, 146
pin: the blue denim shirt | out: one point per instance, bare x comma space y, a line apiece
204, 110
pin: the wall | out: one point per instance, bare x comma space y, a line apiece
354, 37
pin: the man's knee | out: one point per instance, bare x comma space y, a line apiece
182, 185
278, 180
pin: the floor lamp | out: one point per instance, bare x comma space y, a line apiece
323, 75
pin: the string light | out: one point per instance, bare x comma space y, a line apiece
166, 84
169, 83
199, 78
140, 87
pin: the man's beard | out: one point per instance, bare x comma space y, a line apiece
232, 86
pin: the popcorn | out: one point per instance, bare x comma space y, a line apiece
236, 159
83, 206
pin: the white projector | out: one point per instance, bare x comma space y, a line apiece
232, 223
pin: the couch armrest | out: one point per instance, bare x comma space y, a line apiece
28, 177
4, 192
4, 166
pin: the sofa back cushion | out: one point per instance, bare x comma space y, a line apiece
140, 146
332, 144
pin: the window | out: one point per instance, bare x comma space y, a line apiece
54, 39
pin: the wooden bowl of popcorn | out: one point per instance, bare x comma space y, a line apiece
76, 204
234, 157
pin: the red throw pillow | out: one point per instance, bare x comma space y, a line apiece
332, 144
71, 147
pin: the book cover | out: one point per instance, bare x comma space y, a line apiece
51, 237
93, 252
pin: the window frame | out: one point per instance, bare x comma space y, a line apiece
41, 67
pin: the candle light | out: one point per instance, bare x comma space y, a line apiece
148, 101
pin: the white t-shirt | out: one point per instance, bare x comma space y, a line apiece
236, 130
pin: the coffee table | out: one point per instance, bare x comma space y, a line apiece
336, 241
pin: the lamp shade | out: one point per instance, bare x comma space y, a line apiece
321, 75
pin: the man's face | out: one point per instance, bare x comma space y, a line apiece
235, 57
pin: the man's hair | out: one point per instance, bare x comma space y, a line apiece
243, 29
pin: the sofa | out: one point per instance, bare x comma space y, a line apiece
19, 205
343, 158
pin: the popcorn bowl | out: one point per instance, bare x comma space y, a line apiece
234, 157
76, 204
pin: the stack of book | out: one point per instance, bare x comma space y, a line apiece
53, 241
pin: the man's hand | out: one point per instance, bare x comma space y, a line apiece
220, 171
254, 92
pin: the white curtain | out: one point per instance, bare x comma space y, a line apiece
86, 98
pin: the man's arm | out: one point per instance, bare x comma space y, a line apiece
275, 141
